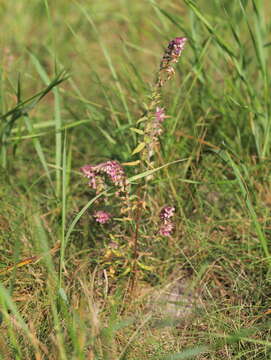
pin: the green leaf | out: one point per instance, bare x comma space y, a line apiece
145, 267
63, 295
143, 118
138, 131
139, 148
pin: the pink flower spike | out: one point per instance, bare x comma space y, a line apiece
110, 169
178, 44
89, 172
171, 56
166, 229
167, 212
114, 171
102, 217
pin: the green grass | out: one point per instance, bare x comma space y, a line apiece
75, 78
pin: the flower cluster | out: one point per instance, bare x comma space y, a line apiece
160, 115
166, 229
102, 217
159, 118
156, 128
171, 56
102, 175
167, 226
166, 213
110, 169
153, 131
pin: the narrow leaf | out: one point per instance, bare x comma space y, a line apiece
139, 148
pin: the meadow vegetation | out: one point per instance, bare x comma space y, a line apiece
76, 78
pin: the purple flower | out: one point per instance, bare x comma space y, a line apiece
106, 174
89, 172
102, 217
160, 115
112, 169
177, 45
166, 225
167, 212
174, 50
171, 56
156, 129
166, 229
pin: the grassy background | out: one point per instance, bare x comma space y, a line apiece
74, 302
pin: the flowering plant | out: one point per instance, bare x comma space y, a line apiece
111, 174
